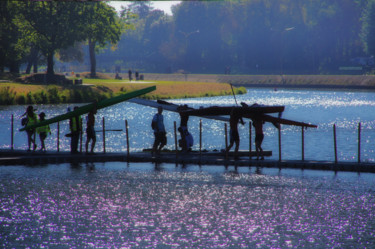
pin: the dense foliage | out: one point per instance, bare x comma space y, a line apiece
47, 27
232, 36
248, 37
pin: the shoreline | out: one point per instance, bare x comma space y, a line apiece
351, 82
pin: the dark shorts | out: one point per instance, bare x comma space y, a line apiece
90, 131
259, 138
160, 138
234, 136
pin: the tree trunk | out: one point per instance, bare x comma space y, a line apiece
92, 58
35, 64
31, 60
50, 64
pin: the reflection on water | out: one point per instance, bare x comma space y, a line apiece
114, 205
324, 108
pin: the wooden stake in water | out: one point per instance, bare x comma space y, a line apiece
81, 136
175, 136
359, 142
335, 142
103, 135
279, 142
127, 137
200, 137
12, 131
303, 143
250, 140
58, 136
226, 140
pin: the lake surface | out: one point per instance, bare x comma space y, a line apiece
323, 108
143, 205
117, 205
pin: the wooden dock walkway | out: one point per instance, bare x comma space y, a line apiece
9, 157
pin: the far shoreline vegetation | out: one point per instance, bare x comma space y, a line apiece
15, 91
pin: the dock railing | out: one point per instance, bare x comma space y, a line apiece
335, 144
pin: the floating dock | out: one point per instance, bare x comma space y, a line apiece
17, 157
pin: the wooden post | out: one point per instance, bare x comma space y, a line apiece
303, 143
250, 140
103, 135
58, 136
81, 135
12, 132
226, 140
335, 142
279, 142
359, 142
127, 137
200, 137
175, 137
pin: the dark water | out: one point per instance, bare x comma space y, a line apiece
117, 205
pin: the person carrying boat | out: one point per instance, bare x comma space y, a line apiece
75, 125
31, 118
233, 133
157, 125
90, 131
187, 140
258, 125
43, 131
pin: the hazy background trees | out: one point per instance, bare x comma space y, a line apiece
240, 37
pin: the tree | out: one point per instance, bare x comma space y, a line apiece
50, 26
101, 25
11, 52
368, 28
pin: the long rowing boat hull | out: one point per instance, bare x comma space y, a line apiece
275, 120
172, 107
227, 110
87, 108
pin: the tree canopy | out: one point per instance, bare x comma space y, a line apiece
237, 36
51, 26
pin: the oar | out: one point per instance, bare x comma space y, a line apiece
234, 95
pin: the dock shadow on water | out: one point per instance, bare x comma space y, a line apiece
143, 205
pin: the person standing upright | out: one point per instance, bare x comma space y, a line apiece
90, 131
259, 136
233, 133
159, 131
43, 131
31, 118
75, 125
130, 75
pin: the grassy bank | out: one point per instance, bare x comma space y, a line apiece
319, 81
97, 89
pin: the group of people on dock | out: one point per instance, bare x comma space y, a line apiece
30, 119
75, 126
186, 142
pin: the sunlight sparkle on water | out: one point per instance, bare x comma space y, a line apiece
125, 207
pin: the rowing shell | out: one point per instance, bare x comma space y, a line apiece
173, 107
87, 108
236, 110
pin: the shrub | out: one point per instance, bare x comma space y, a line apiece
53, 95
